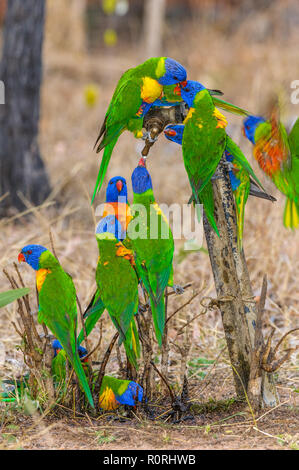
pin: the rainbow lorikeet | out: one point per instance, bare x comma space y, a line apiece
278, 156
116, 204
117, 284
59, 360
134, 95
204, 141
153, 252
113, 392
242, 184
57, 304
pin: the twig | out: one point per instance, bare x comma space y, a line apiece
96, 347
180, 331
52, 244
172, 396
165, 347
181, 307
282, 338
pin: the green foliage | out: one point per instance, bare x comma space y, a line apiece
103, 437
183, 254
214, 406
199, 366
10, 296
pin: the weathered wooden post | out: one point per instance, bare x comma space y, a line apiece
232, 282
233, 287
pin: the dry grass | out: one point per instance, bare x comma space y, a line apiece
249, 71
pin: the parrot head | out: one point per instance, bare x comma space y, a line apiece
111, 225
131, 395
117, 187
57, 347
31, 254
188, 91
174, 133
249, 126
141, 179
174, 72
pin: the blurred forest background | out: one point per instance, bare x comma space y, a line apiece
249, 50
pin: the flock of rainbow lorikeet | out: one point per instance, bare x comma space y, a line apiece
126, 261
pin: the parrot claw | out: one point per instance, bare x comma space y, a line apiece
147, 136
184, 109
229, 165
144, 135
179, 290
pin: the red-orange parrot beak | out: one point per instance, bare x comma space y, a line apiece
184, 83
177, 90
119, 185
21, 258
170, 132
142, 162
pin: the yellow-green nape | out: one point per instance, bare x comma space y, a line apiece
161, 69
105, 236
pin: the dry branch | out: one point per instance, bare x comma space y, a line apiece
262, 355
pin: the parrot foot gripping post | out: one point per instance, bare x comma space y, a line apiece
156, 120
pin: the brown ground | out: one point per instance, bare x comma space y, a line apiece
249, 70
228, 426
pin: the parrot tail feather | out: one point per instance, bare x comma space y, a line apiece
291, 214
256, 191
158, 313
103, 168
131, 344
76, 363
229, 107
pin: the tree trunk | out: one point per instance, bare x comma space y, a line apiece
21, 167
233, 288
154, 14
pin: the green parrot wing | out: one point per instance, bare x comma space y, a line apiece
92, 315
294, 140
117, 284
126, 105
229, 107
59, 366
241, 195
238, 155
153, 256
204, 141
58, 310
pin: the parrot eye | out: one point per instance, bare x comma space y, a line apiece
175, 78
29, 252
187, 89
